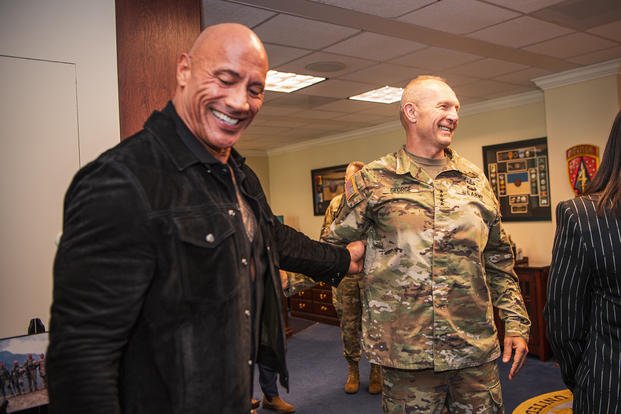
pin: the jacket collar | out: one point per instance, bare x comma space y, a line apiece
180, 143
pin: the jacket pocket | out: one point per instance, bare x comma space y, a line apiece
207, 256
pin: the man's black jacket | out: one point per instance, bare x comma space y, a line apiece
152, 291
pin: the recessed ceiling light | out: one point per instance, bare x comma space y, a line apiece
288, 82
387, 95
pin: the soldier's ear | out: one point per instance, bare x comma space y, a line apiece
409, 111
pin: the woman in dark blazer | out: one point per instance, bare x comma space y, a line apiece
583, 309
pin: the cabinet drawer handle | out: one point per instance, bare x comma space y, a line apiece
301, 305
323, 296
301, 293
323, 308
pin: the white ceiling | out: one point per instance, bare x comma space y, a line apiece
486, 49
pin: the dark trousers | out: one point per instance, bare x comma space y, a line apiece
267, 381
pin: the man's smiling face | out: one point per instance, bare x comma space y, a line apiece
222, 88
436, 114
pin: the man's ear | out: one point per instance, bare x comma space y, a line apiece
409, 111
183, 69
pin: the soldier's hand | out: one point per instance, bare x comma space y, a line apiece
519, 347
356, 251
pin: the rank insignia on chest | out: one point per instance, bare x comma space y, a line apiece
400, 189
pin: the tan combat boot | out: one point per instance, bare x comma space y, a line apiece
353, 378
375, 379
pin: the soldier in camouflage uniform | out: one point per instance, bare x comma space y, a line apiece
346, 300
437, 262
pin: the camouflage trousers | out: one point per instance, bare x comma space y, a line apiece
474, 390
346, 301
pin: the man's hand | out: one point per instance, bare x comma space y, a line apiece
356, 251
520, 346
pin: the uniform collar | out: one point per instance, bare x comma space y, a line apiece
405, 165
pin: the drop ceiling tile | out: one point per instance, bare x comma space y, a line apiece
516, 91
435, 58
598, 57
486, 68
374, 46
487, 88
347, 106
303, 33
274, 110
392, 8
581, 14
571, 45
520, 32
458, 16
610, 30
383, 74
525, 6
335, 88
454, 79
283, 120
523, 77
279, 55
385, 110
370, 117
351, 64
316, 114
299, 101
217, 11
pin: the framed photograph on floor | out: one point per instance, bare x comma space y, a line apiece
327, 183
520, 177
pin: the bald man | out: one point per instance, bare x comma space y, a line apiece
438, 261
166, 290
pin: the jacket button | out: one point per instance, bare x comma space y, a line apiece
231, 212
210, 238
247, 312
244, 261
250, 362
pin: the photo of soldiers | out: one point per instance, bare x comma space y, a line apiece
30, 369
17, 380
41, 367
5, 381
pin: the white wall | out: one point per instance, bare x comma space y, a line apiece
59, 71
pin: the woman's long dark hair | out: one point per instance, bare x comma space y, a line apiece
607, 181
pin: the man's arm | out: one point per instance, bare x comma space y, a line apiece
506, 296
569, 295
102, 269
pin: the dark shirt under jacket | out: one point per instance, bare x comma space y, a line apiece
583, 309
152, 287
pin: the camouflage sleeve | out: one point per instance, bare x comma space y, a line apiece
297, 282
503, 282
331, 212
350, 223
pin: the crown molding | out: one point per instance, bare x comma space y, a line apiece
586, 73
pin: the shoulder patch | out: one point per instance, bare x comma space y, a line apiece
353, 187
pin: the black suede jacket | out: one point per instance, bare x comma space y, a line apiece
152, 292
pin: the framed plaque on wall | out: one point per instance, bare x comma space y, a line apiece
520, 177
327, 183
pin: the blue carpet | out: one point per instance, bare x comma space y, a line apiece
317, 372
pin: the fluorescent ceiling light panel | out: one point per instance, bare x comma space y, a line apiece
288, 82
387, 95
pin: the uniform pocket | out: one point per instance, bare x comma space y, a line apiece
495, 393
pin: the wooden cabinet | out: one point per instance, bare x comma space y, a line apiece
314, 304
533, 284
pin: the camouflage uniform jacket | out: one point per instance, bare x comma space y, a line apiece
437, 260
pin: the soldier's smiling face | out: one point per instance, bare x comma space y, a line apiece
436, 114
